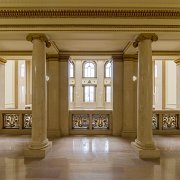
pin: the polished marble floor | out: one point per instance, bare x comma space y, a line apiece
89, 158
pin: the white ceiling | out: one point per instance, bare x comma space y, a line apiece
88, 41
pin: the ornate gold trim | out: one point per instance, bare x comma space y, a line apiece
2, 60
90, 13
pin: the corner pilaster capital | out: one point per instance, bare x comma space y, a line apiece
118, 57
130, 57
177, 61
64, 57
40, 36
144, 36
2, 61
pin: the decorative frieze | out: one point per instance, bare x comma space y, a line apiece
90, 12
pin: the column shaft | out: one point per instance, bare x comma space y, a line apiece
39, 144
144, 96
39, 91
144, 144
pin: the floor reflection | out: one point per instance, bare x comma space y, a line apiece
94, 157
91, 145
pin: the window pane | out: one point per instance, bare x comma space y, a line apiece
108, 93
108, 69
71, 70
71, 93
89, 93
22, 70
89, 69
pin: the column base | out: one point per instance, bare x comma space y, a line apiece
146, 153
37, 153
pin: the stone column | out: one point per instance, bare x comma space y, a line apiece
144, 144
177, 83
2, 83
39, 144
129, 95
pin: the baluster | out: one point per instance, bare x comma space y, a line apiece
160, 121
1, 121
20, 121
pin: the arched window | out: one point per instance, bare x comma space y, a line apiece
108, 69
89, 69
71, 69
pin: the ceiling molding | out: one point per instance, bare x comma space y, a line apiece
89, 13
166, 53
92, 27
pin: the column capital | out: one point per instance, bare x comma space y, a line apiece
177, 61
40, 36
144, 36
2, 60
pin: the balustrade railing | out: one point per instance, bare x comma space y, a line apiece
87, 122
166, 121
90, 121
15, 121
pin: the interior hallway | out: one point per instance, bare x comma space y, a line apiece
89, 157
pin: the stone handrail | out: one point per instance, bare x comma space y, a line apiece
15, 121
166, 121
90, 121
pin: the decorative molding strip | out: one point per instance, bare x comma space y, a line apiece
94, 27
90, 13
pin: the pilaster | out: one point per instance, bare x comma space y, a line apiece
129, 96
177, 61
117, 114
53, 95
2, 83
63, 90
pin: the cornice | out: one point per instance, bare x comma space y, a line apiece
89, 13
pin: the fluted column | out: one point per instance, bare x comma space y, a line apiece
39, 144
2, 83
144, 144
177, 83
